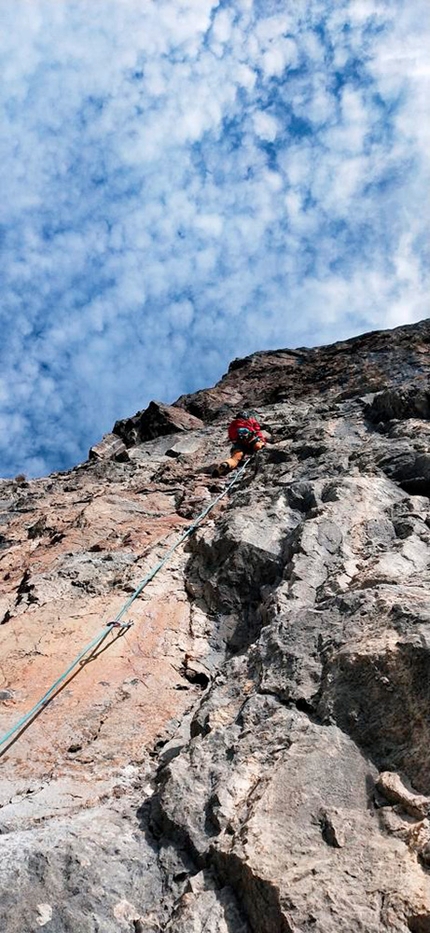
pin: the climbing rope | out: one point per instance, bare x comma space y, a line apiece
107, 629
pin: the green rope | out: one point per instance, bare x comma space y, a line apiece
107, 629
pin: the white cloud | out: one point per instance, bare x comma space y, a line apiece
279, 56
265, 126
245, 76
222, 25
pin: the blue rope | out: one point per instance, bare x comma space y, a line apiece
107, 629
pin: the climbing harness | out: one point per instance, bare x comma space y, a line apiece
110, 627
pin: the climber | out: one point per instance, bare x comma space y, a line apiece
247, 437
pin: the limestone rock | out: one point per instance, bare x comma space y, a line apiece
110, 447
156, 420
366, 364
185, 446
395, 403
251, 755
393, 788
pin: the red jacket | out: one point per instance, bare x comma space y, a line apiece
250, 424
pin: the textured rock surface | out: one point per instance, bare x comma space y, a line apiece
154, 421
110, 447
252, 756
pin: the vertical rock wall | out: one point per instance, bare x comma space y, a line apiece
252, 755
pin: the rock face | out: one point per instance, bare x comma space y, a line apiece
110, 447
252, 755
156, 420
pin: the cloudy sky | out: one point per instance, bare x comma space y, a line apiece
186, 181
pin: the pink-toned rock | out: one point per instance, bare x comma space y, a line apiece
212, 766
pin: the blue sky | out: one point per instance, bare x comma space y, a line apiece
186, 181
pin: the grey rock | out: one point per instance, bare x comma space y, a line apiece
287, 788
6, 694
110, 447
72, 877
185, 446
393, 788
156, 420
398, 403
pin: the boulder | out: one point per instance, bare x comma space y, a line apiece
110, 447
397, 403
155, 421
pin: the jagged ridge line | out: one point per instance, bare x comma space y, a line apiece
109, 628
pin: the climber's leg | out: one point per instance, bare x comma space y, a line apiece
231, 464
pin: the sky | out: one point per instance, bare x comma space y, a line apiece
183, 182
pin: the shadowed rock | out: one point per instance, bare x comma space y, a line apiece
110, 447
398, 403
155, 421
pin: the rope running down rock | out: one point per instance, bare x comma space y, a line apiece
110, 626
